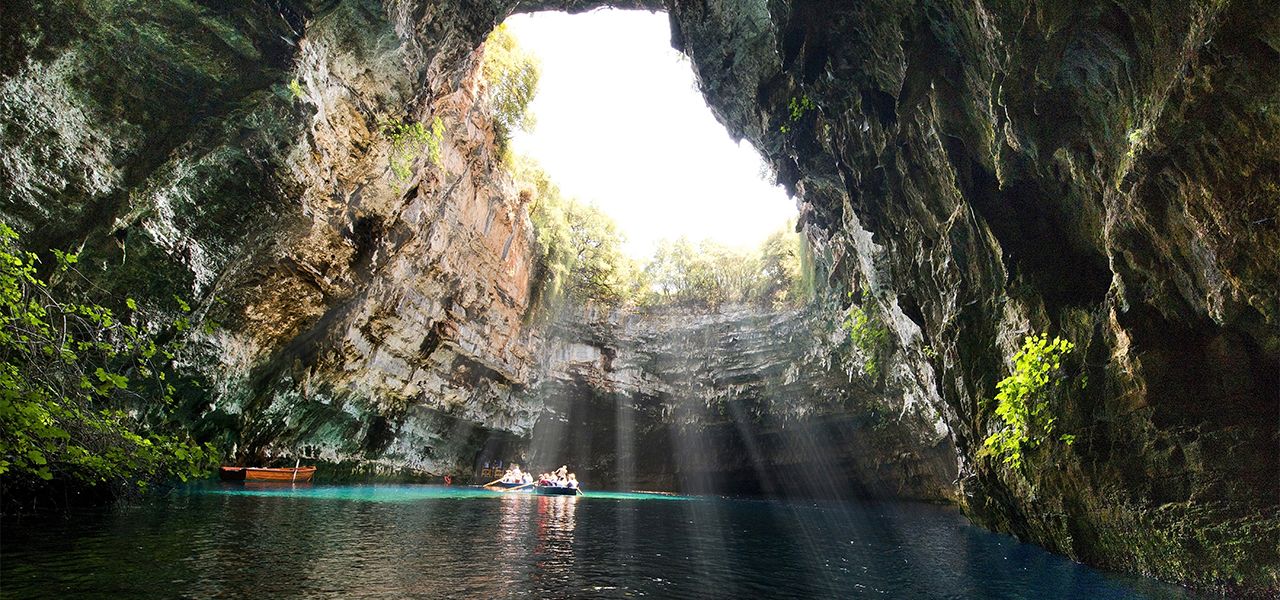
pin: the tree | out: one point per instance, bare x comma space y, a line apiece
780, 262
511, 82
579, 247
580, 258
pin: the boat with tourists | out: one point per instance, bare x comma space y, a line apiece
283, 475
559, 482
555, 490
513, 480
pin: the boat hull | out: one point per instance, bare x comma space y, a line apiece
288, 475
508, 487
504, 485
549, 490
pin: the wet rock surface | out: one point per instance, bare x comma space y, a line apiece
1107, 172
744, 400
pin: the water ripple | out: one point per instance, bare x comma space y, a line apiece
433, 542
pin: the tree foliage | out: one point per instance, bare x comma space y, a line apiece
581, 259
709, 274
86, 396
511, 81
579, 247
408, 140
1022, 399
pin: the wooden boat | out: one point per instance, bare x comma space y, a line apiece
554, 490
503, 485
286, 475
508, 487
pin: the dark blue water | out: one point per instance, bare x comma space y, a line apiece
229, 541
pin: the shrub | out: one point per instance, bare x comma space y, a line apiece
797, 108
1022, 399
408, 140
869, 334
85, 396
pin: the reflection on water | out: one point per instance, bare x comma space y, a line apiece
434, 542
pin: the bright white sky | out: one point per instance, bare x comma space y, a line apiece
620, 123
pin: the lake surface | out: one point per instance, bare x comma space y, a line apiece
219, 540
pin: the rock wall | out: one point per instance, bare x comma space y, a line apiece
238, 158
743, 400
1104, 171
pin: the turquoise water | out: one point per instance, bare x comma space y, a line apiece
391, 493
373, 541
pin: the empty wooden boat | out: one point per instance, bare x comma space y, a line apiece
285, 475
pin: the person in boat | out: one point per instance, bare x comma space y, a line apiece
527, 479
573, 481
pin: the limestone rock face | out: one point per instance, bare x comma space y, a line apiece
745, 400
241, 159
1106, 172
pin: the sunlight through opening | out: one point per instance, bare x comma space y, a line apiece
624, 126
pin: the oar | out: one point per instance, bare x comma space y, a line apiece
295, 471
519, 487
492, 482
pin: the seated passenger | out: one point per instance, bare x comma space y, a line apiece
573, 481
526, 479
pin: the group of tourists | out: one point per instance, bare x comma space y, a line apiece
515, 475
558, 478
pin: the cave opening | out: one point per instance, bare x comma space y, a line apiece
625, 127
676, 232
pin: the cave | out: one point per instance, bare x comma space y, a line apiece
968, 178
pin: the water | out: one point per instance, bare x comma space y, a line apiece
235, 540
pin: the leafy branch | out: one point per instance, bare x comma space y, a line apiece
86, 396
1022, 399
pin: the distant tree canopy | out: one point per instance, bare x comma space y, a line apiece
580, 254
579, 248
580, 259
710, 274
511, 81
